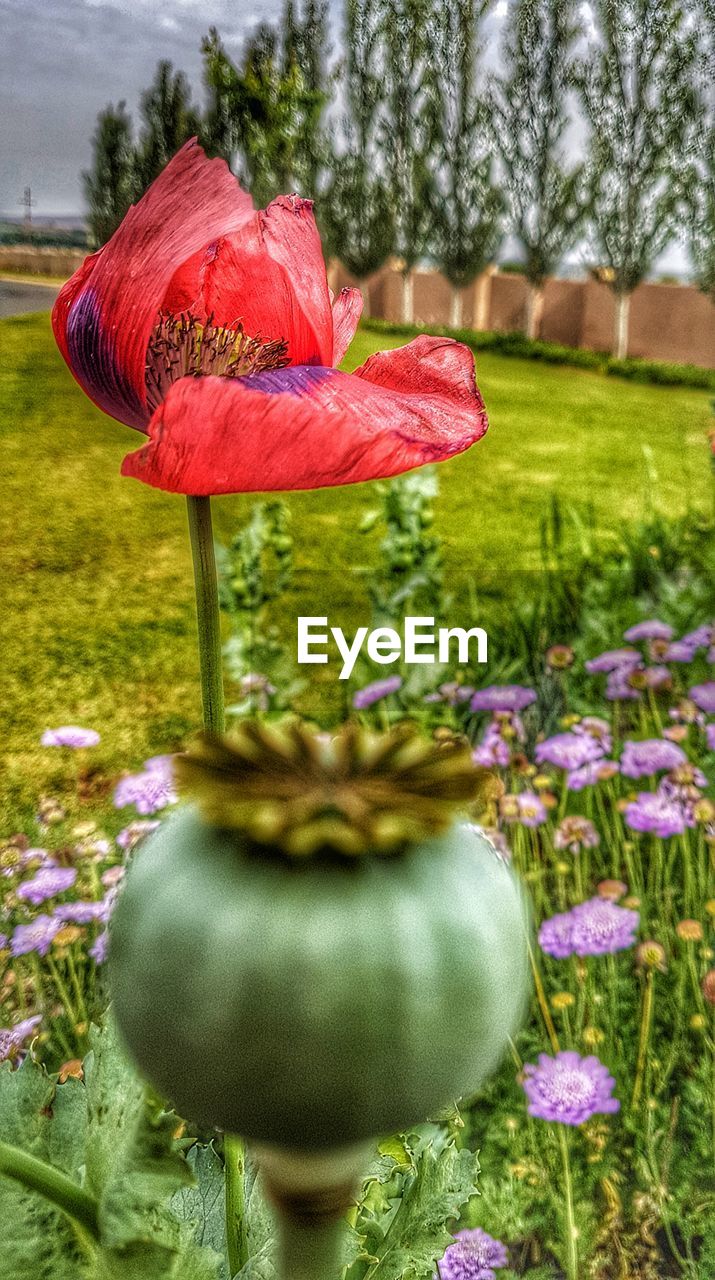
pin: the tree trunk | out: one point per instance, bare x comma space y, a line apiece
365, 291
482, 300
456, 309
620, 337
534, 311
408, 298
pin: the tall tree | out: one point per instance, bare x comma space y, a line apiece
169, 120
357, 205
531, 117
701, 221
263, 114
641, 101
409, 131
468, 210
110, 185
306, 46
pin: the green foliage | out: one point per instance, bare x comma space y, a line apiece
108, 1135
110, 185
410, 579
468, 205
638, 91
530, 117
169, 120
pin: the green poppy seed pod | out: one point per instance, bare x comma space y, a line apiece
314, 1003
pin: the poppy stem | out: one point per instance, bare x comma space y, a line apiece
207, 612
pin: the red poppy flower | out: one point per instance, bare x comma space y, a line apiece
209, 326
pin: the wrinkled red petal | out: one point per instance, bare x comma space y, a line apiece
238, 280
104, 319
291, 237
347, 310
308, 427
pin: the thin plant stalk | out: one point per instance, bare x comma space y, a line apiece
571, 1233
54, 1185
234, 1156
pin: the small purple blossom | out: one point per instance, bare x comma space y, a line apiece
532, 811
376, 691
679, 651
13, 1038
596, 728
452, 693
658, 813
98, 950
555, 936
700, 638
79, 912
473, 1256
70, 735
592, 773
493, 749
568, 1088
650, 756
651, 629
503, 697
576, 833
149, 791
703, 695
600, 927
613, 660
568, 750
710, 736
619, 687
658, 677
48, 882
36, 936
112, 876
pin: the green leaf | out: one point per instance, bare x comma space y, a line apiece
418, 1235
203, 1206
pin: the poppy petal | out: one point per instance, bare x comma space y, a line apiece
307, 427
291, 237
237, 280
347, 310
104, 320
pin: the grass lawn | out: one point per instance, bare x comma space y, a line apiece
98, 607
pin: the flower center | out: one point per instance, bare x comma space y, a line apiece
181, 346
570, 1088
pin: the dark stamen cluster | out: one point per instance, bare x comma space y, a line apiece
181, 346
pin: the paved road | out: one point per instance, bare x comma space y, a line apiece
17, 298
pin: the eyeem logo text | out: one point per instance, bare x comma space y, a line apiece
420, 643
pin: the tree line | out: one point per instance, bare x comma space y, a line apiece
595, 127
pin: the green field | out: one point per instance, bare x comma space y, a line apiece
98, 608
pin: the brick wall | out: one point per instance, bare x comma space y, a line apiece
667, 322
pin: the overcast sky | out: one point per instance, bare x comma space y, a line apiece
61, 61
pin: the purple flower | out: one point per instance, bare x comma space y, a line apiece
149, 791
700, 638
48, 882
12, 1038
658, 813
568, 1088
376, 691
600, 927
452, 693
98, 950
679, 651
532, 811
710, 736
658, 677
503, 697
493, 749
613, 660
473, 1256
651, 629
652, 755
79, 912
576, 833
703, 695
596, 728
555, 936
619, 687
36, 936
112, 876
568, 750
592, 773
70, 735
